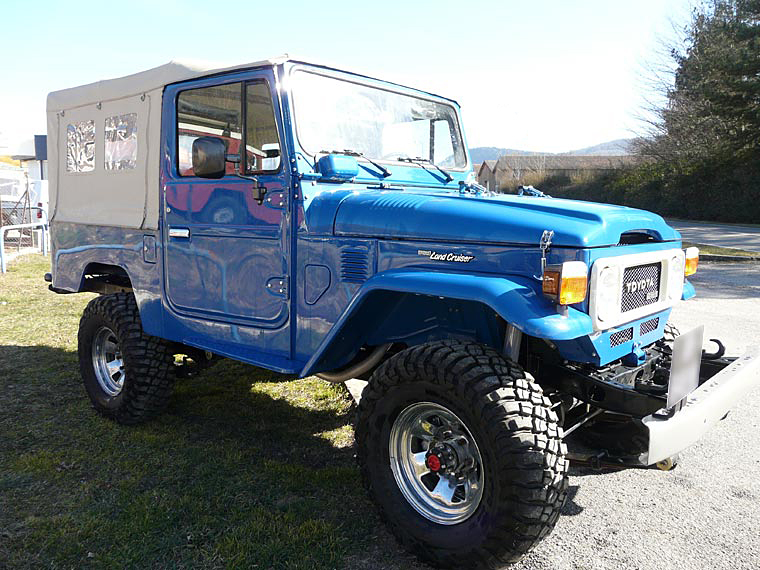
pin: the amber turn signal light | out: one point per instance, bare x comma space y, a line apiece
692, 260
567, 283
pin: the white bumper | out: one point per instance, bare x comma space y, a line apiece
703, 408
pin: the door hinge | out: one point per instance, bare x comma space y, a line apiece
275, 200
278, 286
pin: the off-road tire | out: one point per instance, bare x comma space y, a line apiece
147, 360
517, 434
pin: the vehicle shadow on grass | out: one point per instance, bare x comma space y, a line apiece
245, 468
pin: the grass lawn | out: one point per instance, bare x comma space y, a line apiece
246, 469
717, 250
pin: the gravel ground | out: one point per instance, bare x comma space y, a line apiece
706, 513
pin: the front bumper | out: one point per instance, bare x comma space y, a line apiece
702, 409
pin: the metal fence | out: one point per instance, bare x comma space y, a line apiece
22, 228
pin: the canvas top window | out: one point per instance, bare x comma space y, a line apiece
80, 147
120, 142
225, 111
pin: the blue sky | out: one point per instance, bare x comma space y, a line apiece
547, 75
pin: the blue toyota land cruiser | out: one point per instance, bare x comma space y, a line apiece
312, 221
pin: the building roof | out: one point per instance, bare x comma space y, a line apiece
490, 164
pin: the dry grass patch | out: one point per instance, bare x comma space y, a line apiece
247, 468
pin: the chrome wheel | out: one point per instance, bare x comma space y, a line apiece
436, 463
107, 361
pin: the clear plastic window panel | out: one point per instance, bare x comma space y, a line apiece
80, 147
262, 140
121, 142
215, 111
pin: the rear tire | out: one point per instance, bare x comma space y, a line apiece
126, 372
518, 446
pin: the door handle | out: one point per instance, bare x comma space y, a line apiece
179, 233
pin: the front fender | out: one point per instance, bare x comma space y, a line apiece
517, 300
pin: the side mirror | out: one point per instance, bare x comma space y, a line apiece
338, 167
209, 155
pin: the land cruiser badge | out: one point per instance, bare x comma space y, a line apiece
445, 256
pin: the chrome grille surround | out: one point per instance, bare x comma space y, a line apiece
612, 303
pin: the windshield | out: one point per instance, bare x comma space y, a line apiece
333, 114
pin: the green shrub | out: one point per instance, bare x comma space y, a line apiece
711, 191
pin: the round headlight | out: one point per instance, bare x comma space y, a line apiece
608, 278
607, 293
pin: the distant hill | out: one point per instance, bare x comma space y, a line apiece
609, 148
481, 153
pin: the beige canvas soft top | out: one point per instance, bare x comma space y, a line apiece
143, 82
119, 182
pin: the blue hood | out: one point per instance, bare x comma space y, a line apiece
482, 219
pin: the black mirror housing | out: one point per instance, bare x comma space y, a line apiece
209, 155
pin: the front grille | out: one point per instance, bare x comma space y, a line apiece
641, 286
618, 338
648, 326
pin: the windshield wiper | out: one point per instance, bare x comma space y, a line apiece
422, 161
348, 152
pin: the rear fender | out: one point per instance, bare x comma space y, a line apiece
80, 249
416, 306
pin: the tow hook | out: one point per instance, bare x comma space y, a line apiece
717, 354
668, 464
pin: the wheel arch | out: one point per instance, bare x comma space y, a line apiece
105, 278
413, 307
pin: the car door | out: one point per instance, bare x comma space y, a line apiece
225, 253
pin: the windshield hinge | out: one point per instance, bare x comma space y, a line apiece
473, 187
531, 191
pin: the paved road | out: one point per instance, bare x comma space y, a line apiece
727, 303
704, 515
724, 235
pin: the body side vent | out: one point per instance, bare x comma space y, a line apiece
354, 264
